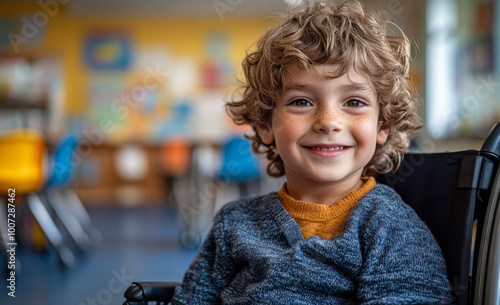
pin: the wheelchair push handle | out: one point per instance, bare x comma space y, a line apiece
491, 143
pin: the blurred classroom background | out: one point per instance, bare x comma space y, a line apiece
128, 98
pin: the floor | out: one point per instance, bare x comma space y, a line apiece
139, 243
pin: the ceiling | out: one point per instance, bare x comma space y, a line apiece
199, 8
398, 10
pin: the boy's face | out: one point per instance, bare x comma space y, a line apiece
325, 129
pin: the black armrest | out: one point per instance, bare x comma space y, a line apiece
139, 293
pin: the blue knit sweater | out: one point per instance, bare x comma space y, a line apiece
255, 254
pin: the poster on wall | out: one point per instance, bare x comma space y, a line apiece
108, 51
217, 70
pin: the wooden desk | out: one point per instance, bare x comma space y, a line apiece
103, 185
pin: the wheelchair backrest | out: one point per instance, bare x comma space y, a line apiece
450, 192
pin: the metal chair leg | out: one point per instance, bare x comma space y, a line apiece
50, 229
80, 213
70, 223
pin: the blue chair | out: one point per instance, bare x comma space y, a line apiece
62, 167
239, 164
240, 167
63, 200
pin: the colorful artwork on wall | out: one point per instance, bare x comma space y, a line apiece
108, 51
218, 70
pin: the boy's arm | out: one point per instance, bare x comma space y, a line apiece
403, 263
209, 272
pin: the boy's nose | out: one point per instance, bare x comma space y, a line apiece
327, 121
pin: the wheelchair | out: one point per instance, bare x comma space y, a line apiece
456, 194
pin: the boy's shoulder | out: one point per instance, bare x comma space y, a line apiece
257, 215
382, 207
383, 198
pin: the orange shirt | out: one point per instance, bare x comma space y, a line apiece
319, 219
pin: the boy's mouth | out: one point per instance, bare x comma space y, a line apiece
326, 148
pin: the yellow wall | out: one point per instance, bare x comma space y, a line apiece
64, 37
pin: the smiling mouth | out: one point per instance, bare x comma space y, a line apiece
327, 148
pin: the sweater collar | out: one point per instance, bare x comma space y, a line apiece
318, 212
285, 222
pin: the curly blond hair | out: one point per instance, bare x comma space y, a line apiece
344, 35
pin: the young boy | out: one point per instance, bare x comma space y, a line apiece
328, 96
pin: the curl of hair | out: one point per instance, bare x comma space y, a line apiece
342, 35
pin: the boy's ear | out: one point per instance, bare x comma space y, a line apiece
383, 133
265, 133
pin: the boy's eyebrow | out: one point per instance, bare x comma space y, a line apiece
296, 87
356, 87
344, 88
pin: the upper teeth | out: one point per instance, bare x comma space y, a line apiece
328, 149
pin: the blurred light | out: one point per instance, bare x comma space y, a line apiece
131, 163
293, 2
441, 99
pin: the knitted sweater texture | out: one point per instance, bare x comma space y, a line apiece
255, 254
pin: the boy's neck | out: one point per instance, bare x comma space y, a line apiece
322, 193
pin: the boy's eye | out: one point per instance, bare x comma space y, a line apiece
300, 102
354, 103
